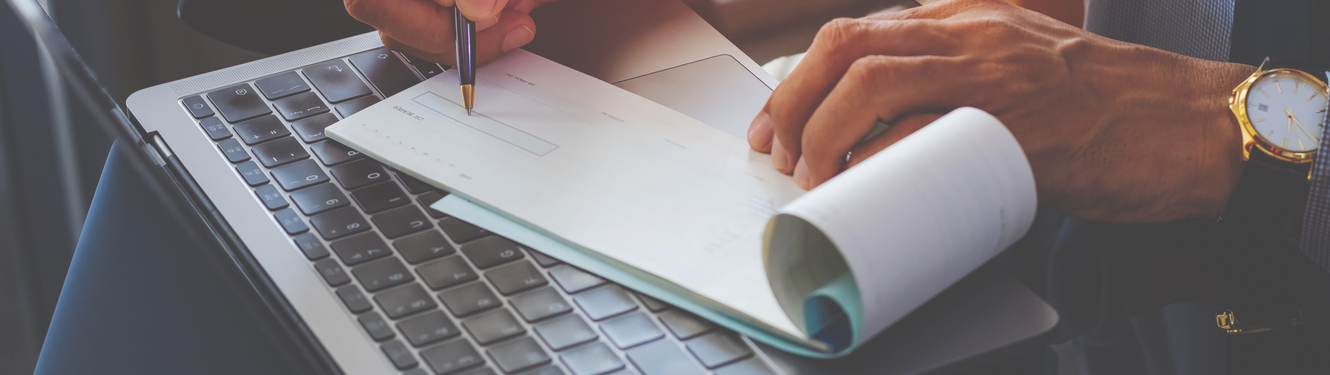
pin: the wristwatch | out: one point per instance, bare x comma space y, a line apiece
1281, 109
1282, 112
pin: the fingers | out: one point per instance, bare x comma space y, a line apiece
875, 87
484, 12
515, 29
837, 46
899, 130
760, 134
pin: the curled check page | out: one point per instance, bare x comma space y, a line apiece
669, 206
600, 168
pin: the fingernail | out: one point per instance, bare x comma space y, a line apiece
517, 38
482, 7
759, 133
801, 175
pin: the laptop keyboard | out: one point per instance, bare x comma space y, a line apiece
439, 295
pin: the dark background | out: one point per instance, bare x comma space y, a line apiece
51, 157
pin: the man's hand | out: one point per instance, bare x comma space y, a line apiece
424, 28
1114, 131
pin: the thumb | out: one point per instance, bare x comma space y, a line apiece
483, 12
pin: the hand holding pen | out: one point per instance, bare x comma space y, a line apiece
425, 28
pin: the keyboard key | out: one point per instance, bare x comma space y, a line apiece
340, 223
515, 278
653, 304
446, 272
540, 304
380, 197
376, 326
492, 251
662, 358
290, 221
335, 80
238, 103
281, 85
685, 325
261, 129
451, 357
604, 302
359, 173
493, 326
573, 280
360, 248
319, 198
423, 246
631, 330
461, 231
215, 129
718, 349
197, 107
354, 299
468, 299
281, 151
298, 175
332, 153
404, 301
594, 359
428, 199
350, 108
332, 272
413, 185
429, 328
419, 371
564, 332
384, 70
252, 174
518, 355
382, 274
401, 221
751, 366
233, 150
483, 371
311, 246
270, 197
300, 106
310, 129
543, 260
547, 370
399, 355
412, 59
428, 69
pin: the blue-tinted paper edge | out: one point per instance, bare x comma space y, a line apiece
470, 212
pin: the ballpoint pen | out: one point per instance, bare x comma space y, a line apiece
466, 58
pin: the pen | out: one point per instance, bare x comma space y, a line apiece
466, 58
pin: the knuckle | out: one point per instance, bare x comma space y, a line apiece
838, 32
868, 72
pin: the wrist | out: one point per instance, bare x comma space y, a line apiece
1221, 163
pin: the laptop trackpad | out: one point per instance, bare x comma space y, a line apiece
716, 90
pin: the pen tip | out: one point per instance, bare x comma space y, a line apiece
468, 111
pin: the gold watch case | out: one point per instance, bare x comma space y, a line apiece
1250, 137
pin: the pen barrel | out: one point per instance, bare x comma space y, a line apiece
466, 49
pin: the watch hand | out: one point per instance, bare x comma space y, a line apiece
1304, 129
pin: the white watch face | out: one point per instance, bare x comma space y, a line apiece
1288, 111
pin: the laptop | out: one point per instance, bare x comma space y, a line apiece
376, 283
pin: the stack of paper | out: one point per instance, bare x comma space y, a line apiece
650, 198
